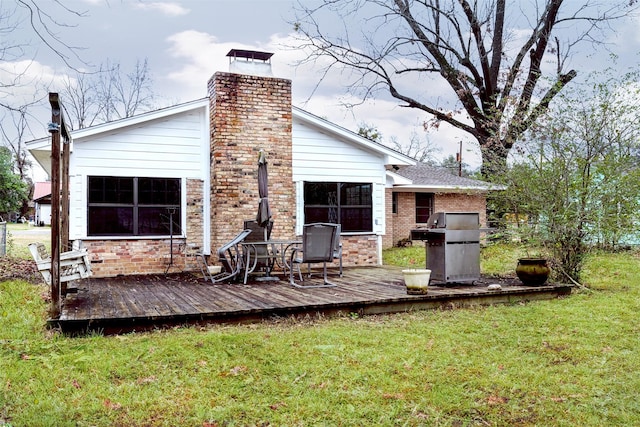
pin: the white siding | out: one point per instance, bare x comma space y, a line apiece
175, 146
43, 214
318, 157
168, 147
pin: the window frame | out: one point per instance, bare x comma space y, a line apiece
336, 213
420, 206
135, 206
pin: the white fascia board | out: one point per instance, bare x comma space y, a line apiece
140, 118
391, 157
39, 144
40, 150
445, 189
397, 179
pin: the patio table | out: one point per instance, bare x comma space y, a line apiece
274, 253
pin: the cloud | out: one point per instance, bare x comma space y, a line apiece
26, 81
166, 8
198, 55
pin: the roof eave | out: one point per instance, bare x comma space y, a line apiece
416, 188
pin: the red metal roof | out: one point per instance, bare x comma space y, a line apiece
41, 189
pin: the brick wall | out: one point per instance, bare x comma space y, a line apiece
459, 202
250, 113
359, 250
390, 218
405, 220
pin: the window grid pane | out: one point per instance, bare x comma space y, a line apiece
349, 204
133, 206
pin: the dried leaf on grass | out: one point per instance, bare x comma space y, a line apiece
497, 400
109, 404
17, 268
235, 371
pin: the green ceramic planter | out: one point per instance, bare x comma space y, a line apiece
533, 271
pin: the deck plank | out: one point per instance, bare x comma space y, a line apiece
130, 303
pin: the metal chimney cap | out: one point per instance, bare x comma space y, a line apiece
250, 54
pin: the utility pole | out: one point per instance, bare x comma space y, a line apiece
459, 159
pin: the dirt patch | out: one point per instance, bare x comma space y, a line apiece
12, 268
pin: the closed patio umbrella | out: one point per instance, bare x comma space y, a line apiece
264, 212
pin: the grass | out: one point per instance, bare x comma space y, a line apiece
17, 240
565, 362
494, 259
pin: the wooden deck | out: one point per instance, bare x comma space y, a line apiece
116, 305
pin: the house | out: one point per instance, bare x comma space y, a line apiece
42, 203
145, 189
419, 190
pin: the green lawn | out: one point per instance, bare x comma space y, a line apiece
565, 362
20, 235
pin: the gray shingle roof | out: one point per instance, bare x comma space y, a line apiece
432, 177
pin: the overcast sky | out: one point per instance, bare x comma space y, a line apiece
186, 41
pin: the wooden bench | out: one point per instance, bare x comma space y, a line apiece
74, 264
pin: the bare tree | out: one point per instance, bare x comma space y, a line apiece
497, 73
108, 94
125, 94
25, 26
16, 144
423, 150
80, 100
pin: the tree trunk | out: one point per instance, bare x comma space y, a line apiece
494, 158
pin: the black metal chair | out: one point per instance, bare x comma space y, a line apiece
317, 247
232, 259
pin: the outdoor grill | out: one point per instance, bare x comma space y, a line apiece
453, 246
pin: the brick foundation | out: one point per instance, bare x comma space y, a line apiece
359, 250
124, 257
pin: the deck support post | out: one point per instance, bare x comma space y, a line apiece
58, 129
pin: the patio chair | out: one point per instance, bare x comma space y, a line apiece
337, 247
317, 247
232, 259
260, 253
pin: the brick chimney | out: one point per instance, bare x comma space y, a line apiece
250, 111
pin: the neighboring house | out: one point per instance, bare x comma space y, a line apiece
196, 164
419, 190
42, 203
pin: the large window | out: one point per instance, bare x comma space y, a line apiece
125, 206
424, 207
348, 204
